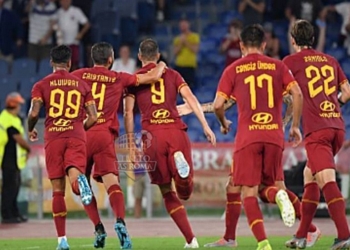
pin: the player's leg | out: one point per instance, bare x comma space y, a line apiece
92, 209
326, 179
75, 166
54, 152
248, 170
178, 213
106, 171
180, 162
308, 206
232, 213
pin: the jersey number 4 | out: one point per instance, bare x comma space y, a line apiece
158, 92
59, 99
258, 82
99, 96
315, 74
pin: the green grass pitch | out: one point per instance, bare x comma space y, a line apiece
245, 243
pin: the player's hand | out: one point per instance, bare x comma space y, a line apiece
210, 135
295, 136
225, 128
33, 135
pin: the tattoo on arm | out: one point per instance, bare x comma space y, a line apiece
33, 115
209, 107
288, 100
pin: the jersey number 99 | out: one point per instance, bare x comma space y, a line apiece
70, 99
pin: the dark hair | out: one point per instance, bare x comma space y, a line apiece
253, 35
149, 49
303, 33
237, 24
100, 52
60, 54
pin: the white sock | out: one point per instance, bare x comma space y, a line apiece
61, 238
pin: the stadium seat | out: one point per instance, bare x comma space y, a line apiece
8, 84
26, 84
215, 58
227, 16
105, 23
24, 67
4, 68
162, 30
208, 44
217, 31
337, 53
44, 67
146, 13
101, 6
128, 30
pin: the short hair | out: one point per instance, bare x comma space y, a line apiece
253, 35
237, 24
60, 54
149, 49
100, 52
303, 33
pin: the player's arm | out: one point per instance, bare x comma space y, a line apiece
297, 96
16, 135
185, 109
153, 75
33, 117
344, 96
91, 112
288, 100
129, 104
192, 101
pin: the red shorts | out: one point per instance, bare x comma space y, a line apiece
101, 154
160, 148
321, 147
258, 163
63, 153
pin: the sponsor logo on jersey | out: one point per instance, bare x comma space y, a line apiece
61, 125
327, 106
262, 118
62, 122
161, 114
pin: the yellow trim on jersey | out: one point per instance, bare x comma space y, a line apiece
290, 85
181, 85
344, 81
284, 93
223, 95
232, 97
137, 80
92, 102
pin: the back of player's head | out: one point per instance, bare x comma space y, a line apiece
149, 50
253, 36
101, 53
303, 33
61, 54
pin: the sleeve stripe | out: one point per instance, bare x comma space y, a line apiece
344, 81
284, 93
182, 85
92, 102
290, 85
137, 80
232, 97
223, 95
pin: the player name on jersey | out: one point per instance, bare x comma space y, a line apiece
64, 82
98, 77
254, 66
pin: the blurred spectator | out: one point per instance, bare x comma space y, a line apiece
309, 10
230, 45
252, 11
86, 7
14, 150
272, 48
160, 10
186, 47
69, 19
276, 10
342, 9
10, 33
124, 63
42, 17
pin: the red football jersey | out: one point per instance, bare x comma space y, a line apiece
64, 97
257, 82
107, 89
319, 76
157, 102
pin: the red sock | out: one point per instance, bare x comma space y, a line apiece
92, 211
59, 212
297, 206
116, 199
75, 187
268, 194
309, 204
233, 211
178, 213
336, 209
184, 187
255, 218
